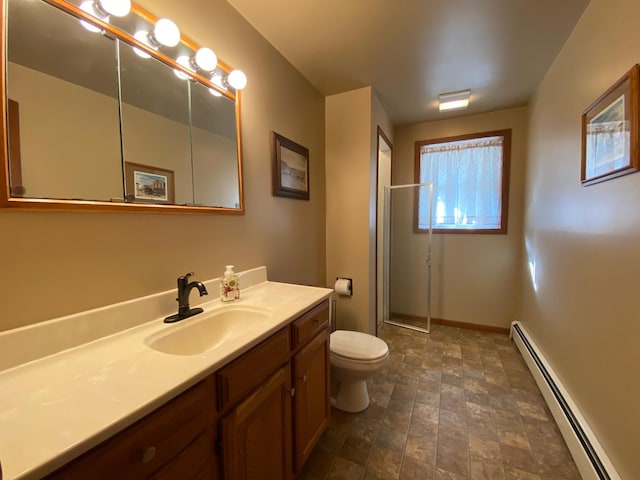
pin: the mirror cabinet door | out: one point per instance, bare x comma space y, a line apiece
155, 131
62, 84
215, 141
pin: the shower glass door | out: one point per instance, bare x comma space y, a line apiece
407, 256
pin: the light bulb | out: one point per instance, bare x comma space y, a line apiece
89, 7
217, 81
143, 37
166, 32
118, 8
237, 79
206, 59
185, 62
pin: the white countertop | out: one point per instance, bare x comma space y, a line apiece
54, 408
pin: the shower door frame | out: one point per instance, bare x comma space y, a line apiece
387, 255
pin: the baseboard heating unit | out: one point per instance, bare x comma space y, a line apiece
590, 458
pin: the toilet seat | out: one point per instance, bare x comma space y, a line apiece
357, 346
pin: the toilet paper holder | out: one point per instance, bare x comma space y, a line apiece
344, 286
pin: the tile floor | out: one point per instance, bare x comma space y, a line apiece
452, 404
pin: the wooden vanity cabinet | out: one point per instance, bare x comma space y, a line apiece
257, 417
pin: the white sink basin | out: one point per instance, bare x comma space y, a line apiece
208, 330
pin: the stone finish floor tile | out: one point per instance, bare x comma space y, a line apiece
452, 404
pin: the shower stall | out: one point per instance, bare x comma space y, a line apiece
407, 262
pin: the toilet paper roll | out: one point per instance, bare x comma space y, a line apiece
343, 286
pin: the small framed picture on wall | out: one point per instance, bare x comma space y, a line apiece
610, 132
290, 168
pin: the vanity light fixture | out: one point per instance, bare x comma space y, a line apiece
117, 8
454, 100
217, 81
143, 37
236, 79
91, 8
102, 9
205, 59
186, 63
166, 33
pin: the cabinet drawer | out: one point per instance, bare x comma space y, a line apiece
309, 324
247, 372
146, 446
193, 463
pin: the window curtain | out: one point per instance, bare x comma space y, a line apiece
467, 183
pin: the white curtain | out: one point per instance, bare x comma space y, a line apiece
467, 184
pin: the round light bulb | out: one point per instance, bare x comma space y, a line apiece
166, 32
237, 79
217, 81
118, 8
184, 61
143, 37
89, 8
206, 59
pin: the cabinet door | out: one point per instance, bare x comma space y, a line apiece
311, 402
256, 434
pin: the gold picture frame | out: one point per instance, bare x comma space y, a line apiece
610, 132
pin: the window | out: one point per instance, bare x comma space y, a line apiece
470, 176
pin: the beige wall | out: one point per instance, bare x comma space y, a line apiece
351, 122
475, 278
583, 241
59, 263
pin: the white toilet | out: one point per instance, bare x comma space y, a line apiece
354, 357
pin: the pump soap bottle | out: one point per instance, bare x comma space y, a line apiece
229, 286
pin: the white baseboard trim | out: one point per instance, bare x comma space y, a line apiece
588, 454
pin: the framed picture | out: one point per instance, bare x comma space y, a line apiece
290, 168
610, 132
147, 184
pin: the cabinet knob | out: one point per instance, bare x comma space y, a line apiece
293, 392
303, 378
148, 454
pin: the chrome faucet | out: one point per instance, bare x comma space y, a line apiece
184, 289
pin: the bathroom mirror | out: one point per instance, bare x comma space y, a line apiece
90, 124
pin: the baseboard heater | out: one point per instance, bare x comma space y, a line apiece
590, 458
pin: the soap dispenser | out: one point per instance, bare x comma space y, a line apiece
229, 286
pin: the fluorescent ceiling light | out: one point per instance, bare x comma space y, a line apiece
454, 100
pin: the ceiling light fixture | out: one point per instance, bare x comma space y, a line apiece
454, 100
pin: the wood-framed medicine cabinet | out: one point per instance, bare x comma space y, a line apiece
82, 97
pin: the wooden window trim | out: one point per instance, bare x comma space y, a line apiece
506, 168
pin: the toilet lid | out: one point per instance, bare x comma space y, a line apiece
357, 345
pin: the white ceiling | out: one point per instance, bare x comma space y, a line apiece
409, 51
